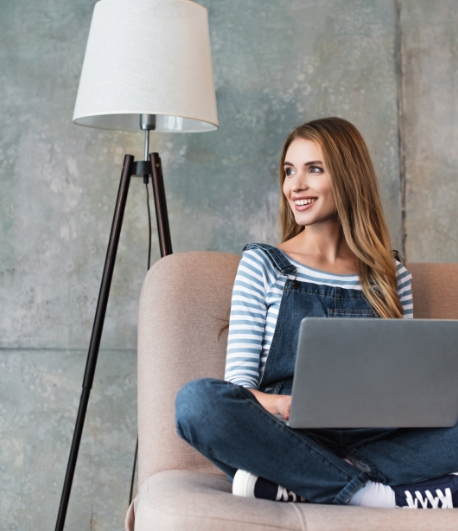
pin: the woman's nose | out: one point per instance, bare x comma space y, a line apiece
300, 185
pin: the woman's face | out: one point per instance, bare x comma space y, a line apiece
307, 186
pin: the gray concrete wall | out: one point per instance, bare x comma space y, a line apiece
387, 66
429, 124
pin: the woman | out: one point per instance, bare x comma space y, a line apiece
335, 260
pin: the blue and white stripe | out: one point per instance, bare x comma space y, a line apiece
256, 297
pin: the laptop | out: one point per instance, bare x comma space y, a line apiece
375, 373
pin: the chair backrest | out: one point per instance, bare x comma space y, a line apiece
435, 290
184, 305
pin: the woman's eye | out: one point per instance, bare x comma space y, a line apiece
288, 171
315, 169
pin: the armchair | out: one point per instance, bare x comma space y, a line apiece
184, 302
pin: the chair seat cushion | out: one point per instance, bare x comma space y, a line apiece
179, 500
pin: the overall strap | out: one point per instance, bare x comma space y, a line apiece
398, 257
278, 259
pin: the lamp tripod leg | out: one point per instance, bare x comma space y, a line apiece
160, 203
96, 335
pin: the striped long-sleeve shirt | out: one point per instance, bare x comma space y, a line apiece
256, 297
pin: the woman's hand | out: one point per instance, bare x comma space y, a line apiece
275, 404
284, 405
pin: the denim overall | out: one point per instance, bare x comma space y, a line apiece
299, 300
227, 424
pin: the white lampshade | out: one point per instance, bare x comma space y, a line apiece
148, 57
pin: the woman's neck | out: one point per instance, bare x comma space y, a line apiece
322, 246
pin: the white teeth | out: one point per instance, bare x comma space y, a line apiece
302, 202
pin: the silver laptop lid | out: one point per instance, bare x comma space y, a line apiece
384, 373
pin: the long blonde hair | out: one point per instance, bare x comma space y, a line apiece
355, 190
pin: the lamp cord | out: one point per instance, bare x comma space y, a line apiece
134, 468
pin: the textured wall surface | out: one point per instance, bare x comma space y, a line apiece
430, 129
39, 396
388, 66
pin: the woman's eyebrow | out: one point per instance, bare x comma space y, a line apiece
286, 163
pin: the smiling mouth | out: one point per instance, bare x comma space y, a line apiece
303, 202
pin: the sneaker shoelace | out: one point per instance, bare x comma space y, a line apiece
288, 496
444, 497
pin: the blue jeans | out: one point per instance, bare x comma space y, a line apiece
229, 426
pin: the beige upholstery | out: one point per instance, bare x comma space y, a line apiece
184, 304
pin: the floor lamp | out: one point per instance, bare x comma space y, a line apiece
147, 68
